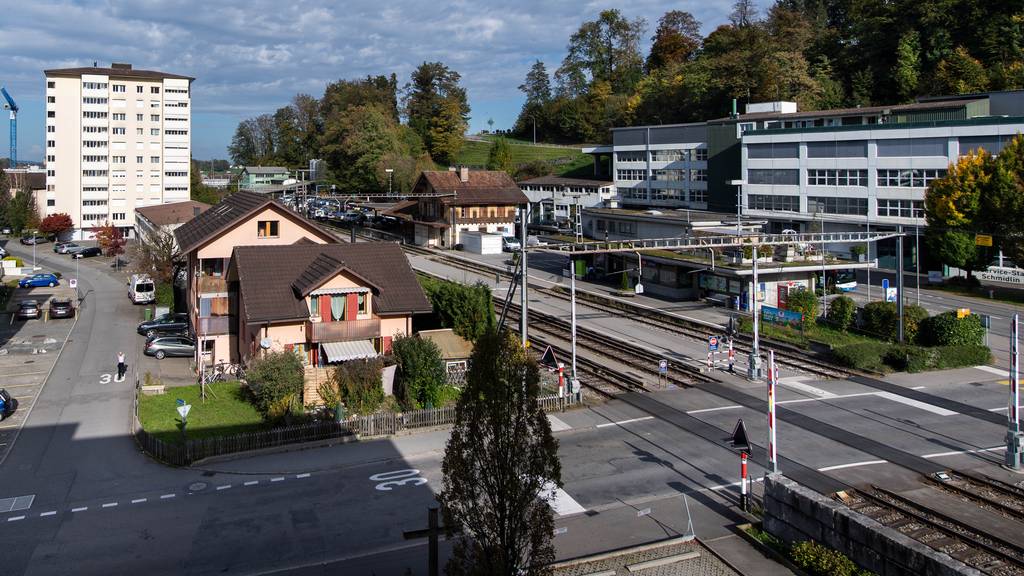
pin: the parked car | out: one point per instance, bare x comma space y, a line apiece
6, 403
37, 280
163, 346
87, 252
3, 252
7, 230
30, 240
27, 310
510, 244
169, 323
141, 289
65, 247
61, 308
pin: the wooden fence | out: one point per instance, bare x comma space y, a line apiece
379, 424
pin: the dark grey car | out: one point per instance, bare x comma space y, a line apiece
27, 310
61, 308
170, 346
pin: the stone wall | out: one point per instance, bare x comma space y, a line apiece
794, 513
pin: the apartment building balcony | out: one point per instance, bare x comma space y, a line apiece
213, 325
342, 331
212, 285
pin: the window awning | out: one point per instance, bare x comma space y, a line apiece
351, 350
353, 290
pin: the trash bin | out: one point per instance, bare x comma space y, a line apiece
148, 314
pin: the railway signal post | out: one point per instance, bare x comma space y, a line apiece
1014, 436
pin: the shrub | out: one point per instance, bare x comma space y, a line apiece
624, 281
961, 356
420, 374
468, 310
841, 312
276, 383
947, 330
913, 317
805, 302
879, 319
165, 295
857, 250
910, 358
822, 561
356, 384
862, 356
17, 261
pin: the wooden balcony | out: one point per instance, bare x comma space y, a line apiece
342, 331
213, 285
213, 325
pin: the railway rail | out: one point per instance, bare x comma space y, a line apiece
996, 495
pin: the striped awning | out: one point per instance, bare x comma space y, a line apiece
351, 350
353, 290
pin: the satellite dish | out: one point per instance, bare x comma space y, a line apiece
266, 343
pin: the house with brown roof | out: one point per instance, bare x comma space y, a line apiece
329, 303
165, 218
207, 242
456, 201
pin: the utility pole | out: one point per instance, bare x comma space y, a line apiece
773, 379
1014, 437
754, 363
524, 301
572, 313
917, 261
824, 278
899, 283
867, 245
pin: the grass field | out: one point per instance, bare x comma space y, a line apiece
226, 411
474, 153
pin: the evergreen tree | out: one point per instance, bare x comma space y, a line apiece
908, 65
437, 109
537, 85
676, 39
500, 157
961, 73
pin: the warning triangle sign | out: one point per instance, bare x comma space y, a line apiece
548, 358
739, 436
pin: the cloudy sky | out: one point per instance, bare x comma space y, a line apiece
251, 56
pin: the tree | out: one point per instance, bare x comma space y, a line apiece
155, 255
357, 384
961, 73
276, 382
676, 39
110, 239
447, 129
537, 85
744, 13
56, 224
953, 209
201, 192
500, 157
22, 214
468, 310
908, 65
1003, 203
421, 372
500, 465
5, 198
437, 109
606, 49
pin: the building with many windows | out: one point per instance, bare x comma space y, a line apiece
117, 138
553, 199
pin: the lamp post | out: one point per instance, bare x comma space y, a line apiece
754, 364
739, 204
391, 173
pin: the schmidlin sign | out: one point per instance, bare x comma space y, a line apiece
1002, 274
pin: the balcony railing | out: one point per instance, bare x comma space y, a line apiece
212, 285
342, 331
213, 325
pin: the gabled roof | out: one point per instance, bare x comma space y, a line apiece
484, 187
226, 214
268, 276
173, 213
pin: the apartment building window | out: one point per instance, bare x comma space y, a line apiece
117, 159
176, 91
50, 202
669, 155
154, 103
627, 228
776, 177
118, 215
900, 147
94, 202
901, 208
51, 158
51, 114
96, 189
139, 117
94, 85
92, 100
118, 88
51, 129
139, 104
267, 228
51, 84
138, 159
834, 205
50, 143
97, 217
154, 131
837, 178
177, 132
94, 114
154, 89
773, 202
699, 196
175, 189
49, 188
698, 175
119, 116
119, 130
51, 99
838, 149
139, 132
363, 301
94, 129
631, 156
175, 174
775, 150
92, 158
154, 117
914, 178
138, 89
154, 159
700, 154
670, 175
94, 173
94, 143
51, 172
630, 175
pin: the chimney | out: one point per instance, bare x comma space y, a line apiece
195, 211
464, 174
120, 66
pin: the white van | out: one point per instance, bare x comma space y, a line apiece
141, 289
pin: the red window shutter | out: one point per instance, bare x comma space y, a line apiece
325, 308
387, 345
351, 306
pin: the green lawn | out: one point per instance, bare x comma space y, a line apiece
475, 152
226, 411
816, 333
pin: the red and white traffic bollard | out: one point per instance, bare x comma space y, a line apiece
732, 356
743, 481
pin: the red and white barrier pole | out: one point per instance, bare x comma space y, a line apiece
743, 481
732, 356
773, 377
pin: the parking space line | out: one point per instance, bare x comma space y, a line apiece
82, 509
166, 496
139, 500
252, 482
109, 505
306, 475
852, 465
50, 513
224, 487
15, 518
278, 479
620, 422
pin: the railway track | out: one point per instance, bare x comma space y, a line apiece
985, 552
989, 493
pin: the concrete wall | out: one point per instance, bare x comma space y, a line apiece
794, 513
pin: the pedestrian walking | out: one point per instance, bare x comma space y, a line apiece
121, 366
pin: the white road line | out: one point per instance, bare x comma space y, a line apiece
224, 487
717, 408
795, 383
918, 387
15, 518
82, 509
305, 475
557, 424
278, 479
561, 502
1000, 409
959, 452
50, 513
836, 397
166, 496
109, 505
252, 482
916, 404
621, 422
992, 370
852, 465
139, 500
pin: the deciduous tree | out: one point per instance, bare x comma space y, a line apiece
676, 39
500, 466
110, 239
500, 157
155, 255
606, 49
56, 224
437, 109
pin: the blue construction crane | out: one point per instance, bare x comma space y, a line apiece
10, 105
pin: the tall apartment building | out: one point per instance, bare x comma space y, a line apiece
116, 139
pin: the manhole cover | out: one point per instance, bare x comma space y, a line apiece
196, 486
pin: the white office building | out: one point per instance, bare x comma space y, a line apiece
117, 138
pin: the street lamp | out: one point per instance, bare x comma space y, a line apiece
739, 203
391, 172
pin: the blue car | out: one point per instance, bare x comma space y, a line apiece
37, 280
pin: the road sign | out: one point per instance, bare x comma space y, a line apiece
73, 283
663, 367
639, 288
891, 295
982, 240
885, 285
179, 402
713, 343
183, 410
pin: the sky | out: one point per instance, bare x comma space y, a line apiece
250, 57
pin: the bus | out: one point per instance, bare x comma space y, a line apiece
843, 280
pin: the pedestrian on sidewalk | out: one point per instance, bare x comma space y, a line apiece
121, 366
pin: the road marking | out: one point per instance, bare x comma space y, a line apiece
918, 387
278, 479
621, 422
82, 509
991, 370
15, 518
1000, 409
252, 482
557, 425
959, 452
917, 404
139, 500
305, 475
852, 465
109, 505
796, 384
22, 374
50, 513
166, 496
224, 487
560, 501
730, 407
834, 397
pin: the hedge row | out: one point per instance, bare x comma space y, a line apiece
883, 357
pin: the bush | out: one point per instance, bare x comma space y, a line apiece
805, 302
823, 561
862, 356
420, 375
879, 319
841, 312
468, 310
913, 317
357, 384
165, 295
910, 358
276, 383
947, 330
961, 356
